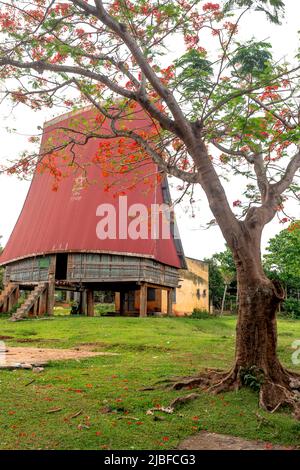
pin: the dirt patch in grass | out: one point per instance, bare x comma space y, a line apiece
36, 340
95, 344
38, 356
6, 337
129, 347
212, 441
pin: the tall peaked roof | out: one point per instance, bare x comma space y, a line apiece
60, 210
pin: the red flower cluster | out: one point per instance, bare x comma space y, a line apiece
269, 93
237, 203
211, 7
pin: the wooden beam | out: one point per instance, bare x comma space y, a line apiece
90, 303
143, 300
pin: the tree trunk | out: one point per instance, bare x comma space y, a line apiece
256, 360
256, 333
256, 338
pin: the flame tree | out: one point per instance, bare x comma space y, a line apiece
219, 108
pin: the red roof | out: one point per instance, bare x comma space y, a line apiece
65, 219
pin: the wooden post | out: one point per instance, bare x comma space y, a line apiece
43, 304
170, 302
82, 303
122, 303
51, 295
90, 303
35, 308
13, 298
51, 287
143, 300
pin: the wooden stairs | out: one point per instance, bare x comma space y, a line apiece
32, 305
6, 295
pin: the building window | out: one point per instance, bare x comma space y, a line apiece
151, 294
204, 292
198, 294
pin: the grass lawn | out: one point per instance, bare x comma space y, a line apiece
150, 350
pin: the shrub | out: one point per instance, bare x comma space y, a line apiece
200, 314
252, 377
292, 307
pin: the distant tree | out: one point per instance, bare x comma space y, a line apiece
227, 270
282, 261
215, 283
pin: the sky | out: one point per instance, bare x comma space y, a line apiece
197, 242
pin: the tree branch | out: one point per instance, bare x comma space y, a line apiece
287, 179
121, 31
40, 66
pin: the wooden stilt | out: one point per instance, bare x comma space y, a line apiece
51, 295
82, 303
51, 287
43, 304
143, 300
13, 299
90, 303
170, 302
35, 308
122, 303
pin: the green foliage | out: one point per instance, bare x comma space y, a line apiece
200, 314
196, 72
226, 265
274, 9
103, 309
221, 271
252, 58
16, 306
216, 283
291, 307
283, 258
252, 377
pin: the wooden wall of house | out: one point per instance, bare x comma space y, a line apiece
115, 268
92, 267
29, 270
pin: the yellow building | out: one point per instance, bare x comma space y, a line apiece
193, 292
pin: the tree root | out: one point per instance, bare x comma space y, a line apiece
273, 394
174, 404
